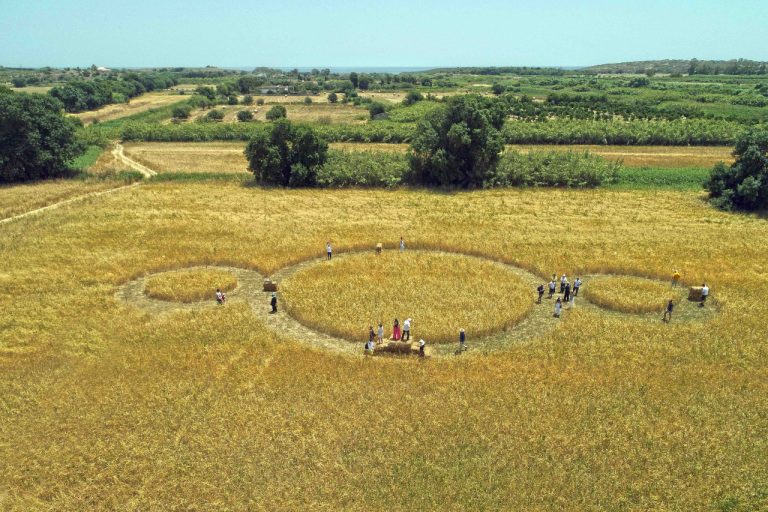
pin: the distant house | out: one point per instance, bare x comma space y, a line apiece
102, 68
274, 89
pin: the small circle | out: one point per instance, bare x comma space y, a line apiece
191, 285
441, 292
630, 294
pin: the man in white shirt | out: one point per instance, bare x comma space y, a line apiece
576, 286
704, 293
329, 249
407, 329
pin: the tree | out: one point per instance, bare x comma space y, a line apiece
277, 112
36, 140
287, 155
260, 101
412, 97
182, 111
458, 144
333, 98
376, 108
244, 116
208, 92
498, 89
355, 79
743, 185
215, 115
307, 100
247, 99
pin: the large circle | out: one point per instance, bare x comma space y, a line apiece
441, 292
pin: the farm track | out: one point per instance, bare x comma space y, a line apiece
249, 288
117, 152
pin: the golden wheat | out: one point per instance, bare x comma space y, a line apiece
189, 285
440, 292
104, 406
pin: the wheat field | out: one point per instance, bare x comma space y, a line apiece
440, 292
189, 285
104, 406
135, 105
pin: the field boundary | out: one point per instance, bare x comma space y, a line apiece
119, 154
66, 202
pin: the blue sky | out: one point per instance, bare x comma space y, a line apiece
335, 33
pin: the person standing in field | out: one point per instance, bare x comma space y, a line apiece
704, 294
422, 343
558, 307
371, 334
381, 333
675, 278
328, 249
396, 330
552, 287
273, 302
462, 340
540, 289
668, 312
402, 244
220, 297
563, 280
407, 329
567, 292
576, 286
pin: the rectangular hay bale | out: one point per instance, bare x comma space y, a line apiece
695, 293
269, 286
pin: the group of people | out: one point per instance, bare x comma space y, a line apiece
570, 292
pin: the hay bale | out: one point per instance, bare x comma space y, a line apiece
269, 286
395, 347
695, 294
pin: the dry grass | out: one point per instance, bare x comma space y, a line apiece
17, 199
104, 407
33, 89
633, 294
370, 146
220, 157
649, 156
440, 292
189, 285
134, 106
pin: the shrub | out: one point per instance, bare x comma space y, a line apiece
553, 169
260, 101
333, 97
376, 108
182, 111
247, 99
277, 112
307, 100
215, 115
36, 139
498, 89
287, 155
412, 97
363, 169
743, 185
244, 116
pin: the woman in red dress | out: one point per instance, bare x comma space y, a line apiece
396, 331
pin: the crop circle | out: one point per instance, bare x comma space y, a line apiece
441, 292
190, 285
630, 294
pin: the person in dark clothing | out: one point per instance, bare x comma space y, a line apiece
462, 340
273, 302
540, 289
668, 312
371, 334
567, 292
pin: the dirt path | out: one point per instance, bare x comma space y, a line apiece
67, 201
118, 153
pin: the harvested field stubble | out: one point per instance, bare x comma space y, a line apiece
189, 285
